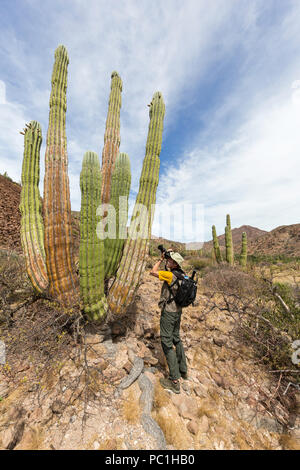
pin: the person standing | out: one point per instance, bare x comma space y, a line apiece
170, 320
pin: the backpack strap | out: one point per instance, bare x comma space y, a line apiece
179, 276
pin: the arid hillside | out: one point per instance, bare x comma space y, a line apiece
10, 214
284, 240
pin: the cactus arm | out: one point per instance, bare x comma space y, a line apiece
111, 136
132, 264
57, 207
32, 229
91, 249
120, 187
217, 251
243, 257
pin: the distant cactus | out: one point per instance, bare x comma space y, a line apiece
32, 228
136, 246
243, 257
217, 250
228, 242
91, 250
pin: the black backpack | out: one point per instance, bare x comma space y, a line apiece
187, 289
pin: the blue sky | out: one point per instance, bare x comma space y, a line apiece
229, 71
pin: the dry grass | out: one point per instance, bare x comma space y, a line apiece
131, 408
13, 397
111, 444
207, 408
34, 439
289, 442
173, 429
161, 397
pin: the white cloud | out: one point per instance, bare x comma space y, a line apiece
254, 177
2, 92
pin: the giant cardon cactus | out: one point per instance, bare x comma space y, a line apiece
48, 244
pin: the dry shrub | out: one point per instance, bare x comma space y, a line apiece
261, 321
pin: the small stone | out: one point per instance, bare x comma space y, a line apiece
127, 366
203, 424
3, 390
96, 445
201, 391
57, 407
193, 427
220, 341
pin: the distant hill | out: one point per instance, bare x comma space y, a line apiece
283, 240
10, 215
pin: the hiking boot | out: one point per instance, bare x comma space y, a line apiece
184, 375
168, 384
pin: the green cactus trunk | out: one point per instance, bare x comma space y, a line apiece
91, 250
32, 228
120, 187
228, 242
63, 281
111, 136
217, 250
132, 264
243, 257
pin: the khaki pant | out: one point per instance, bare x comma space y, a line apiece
170, 335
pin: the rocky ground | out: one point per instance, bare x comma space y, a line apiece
225, 403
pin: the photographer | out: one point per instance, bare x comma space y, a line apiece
170, 319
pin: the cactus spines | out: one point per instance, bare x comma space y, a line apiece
111, 136
243, 257
217, 250
120, 187
32, 228
135, 250
228, 241
57, 206
91, 249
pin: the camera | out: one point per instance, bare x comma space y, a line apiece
164, 251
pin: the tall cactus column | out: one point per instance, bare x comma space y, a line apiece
57, 207
243, 257
91, 250
111, 136
132, 263
32, 228
216, 245
228, 241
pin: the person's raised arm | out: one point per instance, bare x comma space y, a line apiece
155, 269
